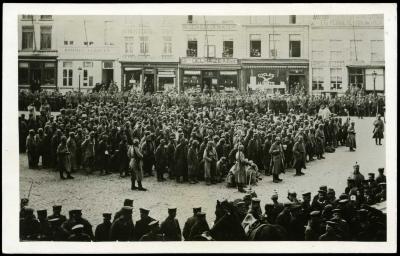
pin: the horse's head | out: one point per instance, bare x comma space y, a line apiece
227, 224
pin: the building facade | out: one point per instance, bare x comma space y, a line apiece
347, 53
37, 52
316, 54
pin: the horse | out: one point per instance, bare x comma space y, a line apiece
227, 227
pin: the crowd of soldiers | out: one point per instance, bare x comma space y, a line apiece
190, 138
324, 217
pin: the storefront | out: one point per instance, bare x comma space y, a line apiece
368, 78
209, 74
275, 77
149, 77
37, 72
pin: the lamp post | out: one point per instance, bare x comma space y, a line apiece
374, 77
79, 84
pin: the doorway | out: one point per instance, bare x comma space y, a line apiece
148, 83
36, 79
107, 76
296, 84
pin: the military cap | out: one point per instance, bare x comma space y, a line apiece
308, 194
322, 191
314, 213
107, 215
196, 209
76, 211
144, 210
331, 191
77, 226
128, 202
42, 213
255, 200
371, 175
153, 223
328, 207
172, 209
240, 202
292, 193
323, 188
381, 169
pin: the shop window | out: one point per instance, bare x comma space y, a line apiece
192, 49
190, 19
273, 45
23, 73
292, 19
144, 45
356, 78
255, 45
27, 38
227, 49
294, 48
336, 79
45, 38
317, 79
49, 73
67, 74
46, 17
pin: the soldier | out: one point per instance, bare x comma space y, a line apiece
102, 232
341, 224
255, 208
381, 177
63, 156
127, 202
57, 214
136, 165
313, 229
23, 205
55, 142
277, 207
298, 151
306, 206
56, 232
189, 223
29, 226
276, 151
154, 233
193, 162
292, 197
351, 137
44, 233
199, 226
123, 228
78, 234
89, 152
31, 150
141, 226
76, 218
71, 145
296, 225
170, 227
148, 156
330, 234
123, 161
161, 160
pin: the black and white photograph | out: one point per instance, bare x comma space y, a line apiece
190, 128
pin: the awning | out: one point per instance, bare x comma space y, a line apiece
132, 69
210, 67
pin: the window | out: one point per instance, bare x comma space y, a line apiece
49, 73
292, 19
88, 64
210, 51
336, 78
192, 49
354, 49
255, 45
144, 45
317, 79
87, 79
23, 73
108, 65
167, 49
377, 50
67, 74
46, 17
68, 42
273, 45
190, 19
356, 77
227, 51
45, 38
107, 33
27, 38
27, 17
129, 44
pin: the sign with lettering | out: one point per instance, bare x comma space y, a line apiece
207, 61
210, 27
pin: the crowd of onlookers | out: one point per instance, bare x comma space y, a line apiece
327, 216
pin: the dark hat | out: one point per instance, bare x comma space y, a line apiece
292, 193
128, 202
172, 209
42, 213
381, 169
331, 191
143, 210
315, 213
127, 209
255, 200
57, 208
308, 194
247, 197
76, 211
322, 191
325, 188
153, 223
343, 196
196, 209
371, 175
107, 215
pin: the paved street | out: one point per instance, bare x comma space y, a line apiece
97, 194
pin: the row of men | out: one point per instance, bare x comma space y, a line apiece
324, 217
366, 105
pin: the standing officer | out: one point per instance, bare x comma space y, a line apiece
189, 223
142, 225
123, 228
102, 232
170, 227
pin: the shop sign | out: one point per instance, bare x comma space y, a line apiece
228, 73
191, 72
205, 61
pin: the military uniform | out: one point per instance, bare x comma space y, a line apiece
142, 225
189, 223
102, 232
171, 229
